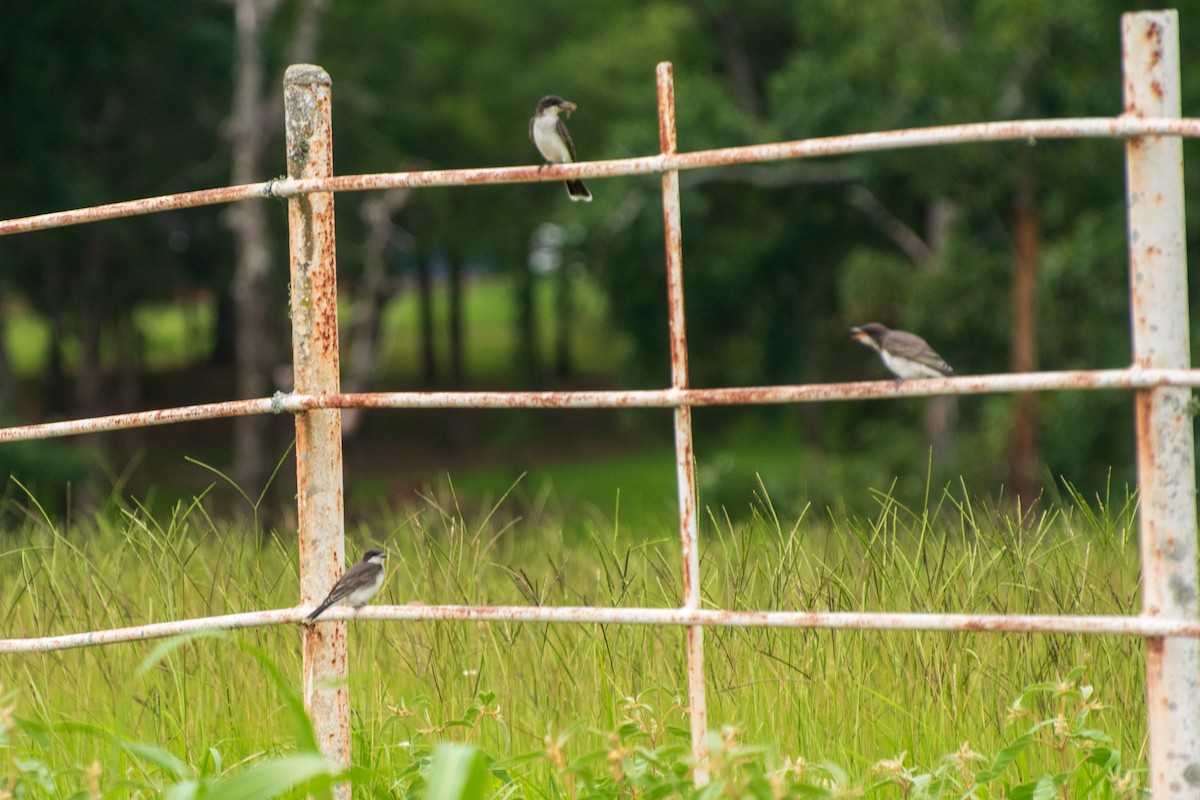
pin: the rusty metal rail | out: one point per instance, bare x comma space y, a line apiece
1161, 377
294, 403
1123, 127
1143, 625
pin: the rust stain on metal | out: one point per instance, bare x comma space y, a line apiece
321, 525
1150, 627
1141, 376
684, 461
666, 108
1125, 126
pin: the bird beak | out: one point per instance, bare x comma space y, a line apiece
568, 108
857, 333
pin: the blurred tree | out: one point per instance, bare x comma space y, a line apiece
780, 259
255, 123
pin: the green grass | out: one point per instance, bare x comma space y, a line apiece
526, 692
489, 320
174, 334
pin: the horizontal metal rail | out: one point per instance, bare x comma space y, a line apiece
1142, 625
1130, 378
1094, 127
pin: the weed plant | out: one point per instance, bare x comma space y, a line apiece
549, 710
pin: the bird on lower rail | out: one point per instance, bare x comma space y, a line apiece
358, 585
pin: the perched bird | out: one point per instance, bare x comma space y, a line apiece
549, 134
358, 585
905, 354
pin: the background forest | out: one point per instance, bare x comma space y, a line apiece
1004, 256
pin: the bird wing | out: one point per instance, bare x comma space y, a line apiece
913, 347
566, 137
531, 137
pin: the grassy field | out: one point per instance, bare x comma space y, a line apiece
175, 334
561, 708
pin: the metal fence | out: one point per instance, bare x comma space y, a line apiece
1160, 376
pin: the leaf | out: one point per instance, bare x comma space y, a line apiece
1044, 788
627, 729
306, 738
1005, 757
274, 777
184, 790
1074, 675
1092, 735
152, 754
37, 731
167, 646
457, 772
145, 753
212, 762
1106, 758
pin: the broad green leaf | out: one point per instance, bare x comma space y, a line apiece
274, 777
1106, 758
457, 772
145, 753
1092, 735
184, 790
306, 738
168, 646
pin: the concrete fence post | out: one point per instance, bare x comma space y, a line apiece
307, 103
1165, 430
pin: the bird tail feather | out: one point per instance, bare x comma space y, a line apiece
578, 191
318, 611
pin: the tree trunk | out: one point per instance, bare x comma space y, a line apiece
564, 307
525, 358
457, 352
940, 412
256, 120
425, 310
89, 372
224, 350
54, 382
362, 361
7, 390
722, 22
254, 352
1027, 246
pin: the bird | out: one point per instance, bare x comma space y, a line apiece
905, 354
358, 585
549, 134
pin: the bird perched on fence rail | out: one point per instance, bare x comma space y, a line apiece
905, 354
358, 585
549, 133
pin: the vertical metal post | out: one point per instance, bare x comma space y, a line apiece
307, 104
1165, 436
684, 461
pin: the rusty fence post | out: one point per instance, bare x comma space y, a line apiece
1165, 435
307, 104
684, 457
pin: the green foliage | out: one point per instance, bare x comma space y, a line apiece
154, 769
545, 706
780, 258
43, 473
648, 753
